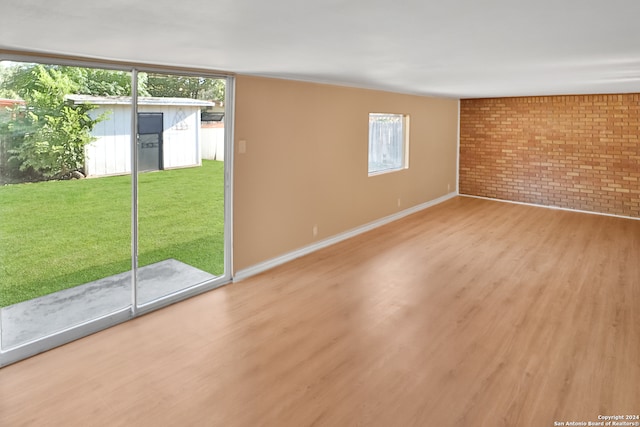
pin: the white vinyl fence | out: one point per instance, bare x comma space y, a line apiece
212, 139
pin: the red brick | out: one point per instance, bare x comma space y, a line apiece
580, 152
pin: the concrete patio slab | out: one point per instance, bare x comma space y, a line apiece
42, 316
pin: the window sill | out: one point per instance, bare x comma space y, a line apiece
386, 171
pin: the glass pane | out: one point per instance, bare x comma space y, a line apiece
180, 183
65, 244
386, 142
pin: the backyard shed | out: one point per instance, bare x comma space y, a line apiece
169, 133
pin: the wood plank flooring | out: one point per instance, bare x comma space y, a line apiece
470, 313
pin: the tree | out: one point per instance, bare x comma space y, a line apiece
48, 135
99, 82
5, 92
164, 85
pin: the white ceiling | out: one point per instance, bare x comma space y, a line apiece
457, 48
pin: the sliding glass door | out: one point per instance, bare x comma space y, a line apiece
112, 197
65, 238
180, 184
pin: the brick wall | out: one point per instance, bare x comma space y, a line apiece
579, 152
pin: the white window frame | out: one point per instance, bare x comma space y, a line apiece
404, 156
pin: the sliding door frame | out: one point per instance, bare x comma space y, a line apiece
14, 354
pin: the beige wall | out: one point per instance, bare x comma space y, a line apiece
306, 162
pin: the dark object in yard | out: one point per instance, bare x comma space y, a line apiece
77, 175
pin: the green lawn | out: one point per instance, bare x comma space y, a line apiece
59, 234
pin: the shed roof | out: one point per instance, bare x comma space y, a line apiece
142, 100
6, 102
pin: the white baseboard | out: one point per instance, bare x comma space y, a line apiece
274, 262
550, 207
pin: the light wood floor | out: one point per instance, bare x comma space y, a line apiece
471, 313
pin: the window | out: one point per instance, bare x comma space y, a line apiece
388, 142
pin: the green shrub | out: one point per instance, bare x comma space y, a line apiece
47, 136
